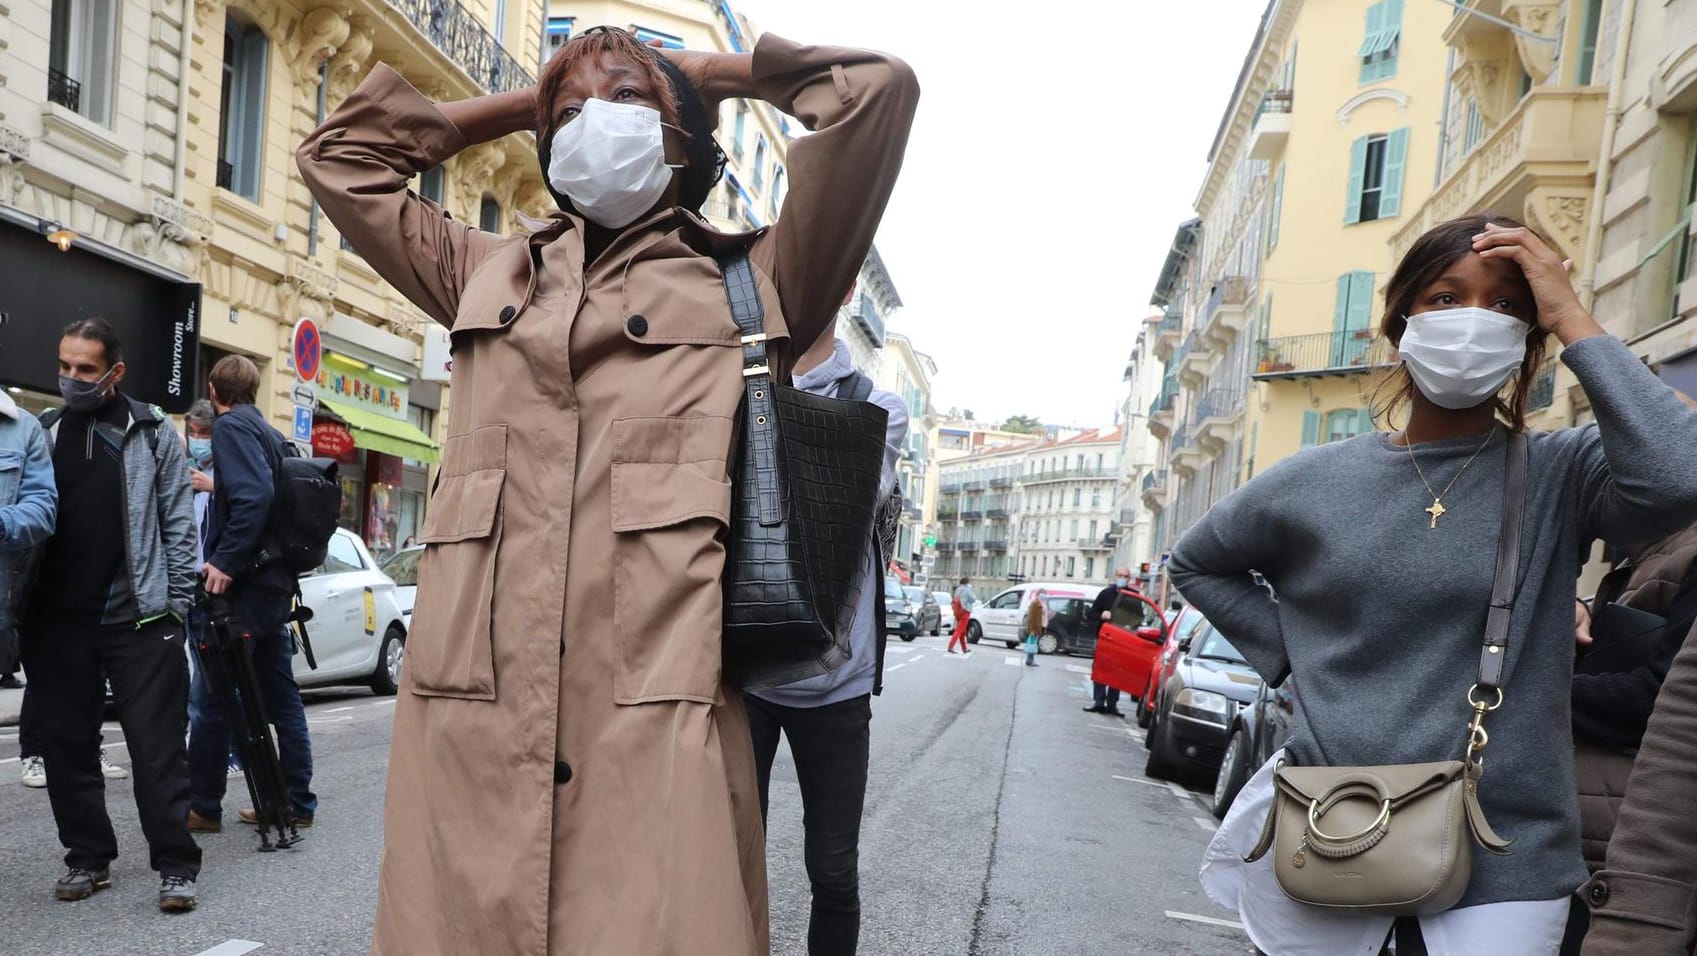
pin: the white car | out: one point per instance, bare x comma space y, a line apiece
1002, 618
402, 568
358, 632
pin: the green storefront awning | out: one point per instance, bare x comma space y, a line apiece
373, 432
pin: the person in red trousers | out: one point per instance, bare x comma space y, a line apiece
964, 600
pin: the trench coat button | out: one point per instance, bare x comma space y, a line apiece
562, 772
508, 314
637, 325
1598, 894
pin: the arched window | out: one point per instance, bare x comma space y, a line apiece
489, 214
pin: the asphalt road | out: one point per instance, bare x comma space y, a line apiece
1000, 821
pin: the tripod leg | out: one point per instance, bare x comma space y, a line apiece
216, 657
271, 803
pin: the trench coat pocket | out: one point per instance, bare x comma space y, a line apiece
671, 504
450, 652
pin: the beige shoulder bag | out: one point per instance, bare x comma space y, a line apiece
1398, 840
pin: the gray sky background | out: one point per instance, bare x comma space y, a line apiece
1058, 147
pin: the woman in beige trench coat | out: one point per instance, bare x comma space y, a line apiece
569, 774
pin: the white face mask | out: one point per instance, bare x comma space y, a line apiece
1460, 358
610, 161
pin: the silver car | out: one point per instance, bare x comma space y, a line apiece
357, 630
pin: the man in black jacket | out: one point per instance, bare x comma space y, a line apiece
1106, 700
248, 451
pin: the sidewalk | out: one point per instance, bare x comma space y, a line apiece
11, 705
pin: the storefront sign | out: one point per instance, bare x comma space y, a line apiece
363, 390
333, 440
438, 355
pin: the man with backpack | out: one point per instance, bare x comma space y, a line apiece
242, 563
827, 719
113, 589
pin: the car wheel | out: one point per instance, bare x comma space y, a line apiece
1048, 644
1160, 765
1233, 770
1145, 706
936, 632
973, 632
1012, 645
908, 638
386, 680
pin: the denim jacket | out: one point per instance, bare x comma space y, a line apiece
29, 502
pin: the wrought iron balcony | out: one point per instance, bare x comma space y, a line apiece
1168, 332
972, 514
974, 485
1270, 128
949, 487
1064, 474
945, 546
1219, 403
999, 513
227, 174
996, 544
458, 34
63, 90
1154, 478
1002, 481
1350, 352
968, 546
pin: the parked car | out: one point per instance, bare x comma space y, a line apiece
1257, 733
1002, 618
402, 568
1180, 625
945, 613
928, 614
358, 631
1069, 630
899, 610
1197, 706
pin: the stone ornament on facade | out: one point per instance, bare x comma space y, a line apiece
320, 35
1560, 215
306, 290
1542, 17
351, 62
14, 152
174, 236
477, 167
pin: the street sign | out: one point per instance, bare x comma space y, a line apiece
303, 424
305, 394
306, 347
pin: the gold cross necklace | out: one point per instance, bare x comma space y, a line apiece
1437, 509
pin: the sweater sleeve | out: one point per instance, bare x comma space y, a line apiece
1212, 563
1637, 469
247, 485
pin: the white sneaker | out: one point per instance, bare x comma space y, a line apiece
35, 772
235, 768
110, 770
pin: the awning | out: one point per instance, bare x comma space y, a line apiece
374, 432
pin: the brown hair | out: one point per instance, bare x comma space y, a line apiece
589, 46
236, 379
1425, 262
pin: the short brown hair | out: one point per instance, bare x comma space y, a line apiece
236, 380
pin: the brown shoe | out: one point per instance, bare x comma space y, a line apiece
200, 824
301, 821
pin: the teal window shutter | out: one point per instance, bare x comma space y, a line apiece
1278, 207
1310, 427
1340, 309
1360, 300
1364, 423
1357, 177
1370, 38
1396, 158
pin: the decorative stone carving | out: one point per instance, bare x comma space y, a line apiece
533, 199
203, 12
1561, 216
476, 172
14, 143
1542, 17
322, 32
306, 290
174, 236
350, 63
1478, 79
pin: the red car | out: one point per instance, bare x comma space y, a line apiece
1180, 624
1129, 644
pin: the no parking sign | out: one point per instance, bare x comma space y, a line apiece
307, 349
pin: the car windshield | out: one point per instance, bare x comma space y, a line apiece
893, 588
402, 567
1068, 606
1215, 647
916, 595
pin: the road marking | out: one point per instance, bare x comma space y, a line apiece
901, 650
1147, 783
10, 760
1178, 791
916, 657
1078, 668
329, 720
337, 710
386, 702
1204, 920
1011, 661
1206, 824
236, 947
893, 668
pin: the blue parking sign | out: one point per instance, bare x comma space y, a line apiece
303, 423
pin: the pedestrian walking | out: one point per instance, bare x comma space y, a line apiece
261, 594
29, 501
962, 604
197, 426
1105, 699
827, 719
575, 734
115, 584
1407, 544
1036, 623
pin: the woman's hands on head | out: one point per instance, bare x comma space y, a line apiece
716, 76
1559, 311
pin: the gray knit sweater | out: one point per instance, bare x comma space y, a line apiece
1379, 618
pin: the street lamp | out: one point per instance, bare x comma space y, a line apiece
57, 234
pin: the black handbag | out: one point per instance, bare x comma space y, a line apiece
804, 493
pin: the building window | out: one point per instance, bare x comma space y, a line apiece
1340, 425
1376, 166
1379, 47
1072, 567
1089, 568
1475, 130
739, 126
1352, 318
81, 57
667, 41
555, 35
1685, 267
1276, 208
430, 184
489, 215
498, 23
758, 176
1588, 25
241, 102
1096, 498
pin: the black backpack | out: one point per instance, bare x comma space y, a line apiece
306, 503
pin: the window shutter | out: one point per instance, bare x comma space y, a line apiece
1310, 427
1396, 159
1364, 424
1340, 309
1375, 23
1357, 177
1278, 207
1360, 300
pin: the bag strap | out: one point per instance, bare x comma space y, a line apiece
860, 387
1504, 587
759, 426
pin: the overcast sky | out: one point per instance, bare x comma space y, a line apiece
1058, 147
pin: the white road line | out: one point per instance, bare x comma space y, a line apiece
1206, 824
9, 760
893, 668
385, 702
1146, 783
337, 710
916, 657
236, 947
1178, 791
901, 650
1078, 668
1204, 920
329, 720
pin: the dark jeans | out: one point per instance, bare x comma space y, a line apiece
273, 648
1105, 696
830, 746
149, 676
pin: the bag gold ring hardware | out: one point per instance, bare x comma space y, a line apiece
1380, 823
1479, 704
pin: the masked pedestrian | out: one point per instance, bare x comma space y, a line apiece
1105, 699
114, 589
1381, 615
565, 751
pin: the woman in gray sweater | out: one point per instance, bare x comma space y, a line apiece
1382, 551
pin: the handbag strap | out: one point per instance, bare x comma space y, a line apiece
1506, 584
759, 416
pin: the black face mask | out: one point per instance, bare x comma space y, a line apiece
81, 396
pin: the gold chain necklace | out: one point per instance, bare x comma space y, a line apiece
1437, 510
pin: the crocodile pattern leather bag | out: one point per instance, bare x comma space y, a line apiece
802, 504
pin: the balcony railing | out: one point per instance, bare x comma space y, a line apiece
1349, 352
1162, 403
1063, 474
945, 546
996, 544
1000, 513
949, 487
975, 485
1274, 101
947, 514
1180, 438
972, 514
1156, 477
63, 90
227, 174
1543, 392
968, 546
1219, 403
463, 39
1232, 291
1002, 481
